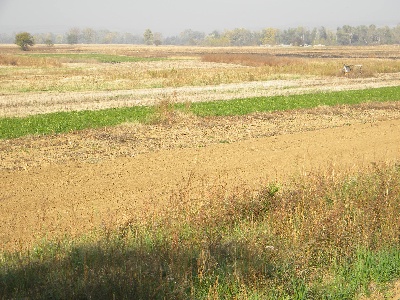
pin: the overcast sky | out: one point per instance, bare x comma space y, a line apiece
173, 16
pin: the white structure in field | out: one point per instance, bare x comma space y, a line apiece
347, 69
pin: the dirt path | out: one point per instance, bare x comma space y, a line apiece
60, 192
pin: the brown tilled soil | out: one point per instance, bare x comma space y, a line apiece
71, 183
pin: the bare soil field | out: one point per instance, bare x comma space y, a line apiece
71, 183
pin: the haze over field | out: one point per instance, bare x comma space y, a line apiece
171, 17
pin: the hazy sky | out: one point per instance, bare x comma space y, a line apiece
173, 16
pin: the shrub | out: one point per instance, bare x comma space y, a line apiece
24, 39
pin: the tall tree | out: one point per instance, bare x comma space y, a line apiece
386, 35
89, 36
148, 37
73, 36
158, 38
346, 35
241, 37
191, 37
268, 36
216, 39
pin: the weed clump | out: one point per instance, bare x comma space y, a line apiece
164, 112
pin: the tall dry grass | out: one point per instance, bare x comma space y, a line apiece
253, 60
28, 61
282, 64
285, 241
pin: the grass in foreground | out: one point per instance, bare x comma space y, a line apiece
69, 121
318, 237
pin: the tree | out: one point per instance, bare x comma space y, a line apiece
385, 35
24, 39
148, 37
241, 37
321, 36
191, 37
49, 42
345, 35
73, 36
268, 36
157, 36
216, 39
89, 36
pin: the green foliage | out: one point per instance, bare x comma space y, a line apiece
272, 189
277, 103
23, 40
69, 121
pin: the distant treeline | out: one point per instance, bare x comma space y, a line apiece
300, 36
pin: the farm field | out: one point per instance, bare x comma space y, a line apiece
179, 168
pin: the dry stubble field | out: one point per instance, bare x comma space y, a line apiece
71, 183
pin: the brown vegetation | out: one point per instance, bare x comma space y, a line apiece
28, 61
306, 65
253, 60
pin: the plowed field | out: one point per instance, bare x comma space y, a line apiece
69, 184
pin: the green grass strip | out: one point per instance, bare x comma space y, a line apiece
68, 121
279, 103
102, 58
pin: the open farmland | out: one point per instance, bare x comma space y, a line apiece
178, 170
80, 78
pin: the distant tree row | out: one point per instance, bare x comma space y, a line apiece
346, 35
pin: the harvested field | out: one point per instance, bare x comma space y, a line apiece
66, 78
39, 103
